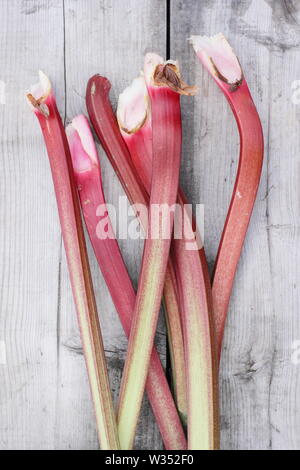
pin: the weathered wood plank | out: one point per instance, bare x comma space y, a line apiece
107, 37
31, 35
283, 223
44, 398
210, 159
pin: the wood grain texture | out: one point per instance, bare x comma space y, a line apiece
259, 383
44, 398
283, 223
44, 395
29, 235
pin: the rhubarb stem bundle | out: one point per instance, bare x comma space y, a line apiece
87, 175
134, 119
42, 101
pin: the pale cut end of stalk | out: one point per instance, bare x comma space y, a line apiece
162, 73
218, 58
38, 94
134, 106
82, 145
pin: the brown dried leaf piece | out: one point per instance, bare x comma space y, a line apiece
233, 86
168, 75
38, 104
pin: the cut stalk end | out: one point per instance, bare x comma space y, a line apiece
162, 73
82, 145
133, 106
38, 94
218, 58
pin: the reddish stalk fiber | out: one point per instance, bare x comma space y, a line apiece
192, 275
107, 130
42, 100
218, 58
88, 180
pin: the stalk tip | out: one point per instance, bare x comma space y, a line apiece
39, 93
98, 84
166, 74
218, 58
133, 106
82, 146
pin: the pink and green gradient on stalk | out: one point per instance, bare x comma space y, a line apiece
166, 123
134, 118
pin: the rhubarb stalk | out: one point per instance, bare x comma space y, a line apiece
134, 119
166, 119
42, 100
219, 59
89, 183
192, 275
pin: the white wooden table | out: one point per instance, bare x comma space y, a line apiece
44, 394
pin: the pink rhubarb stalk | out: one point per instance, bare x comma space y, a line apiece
89, 183
192, 277
134, 118
219, 59
165, 104
42, 101
107, 130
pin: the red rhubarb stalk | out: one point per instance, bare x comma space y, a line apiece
165, 106
191, 273
89, 183
42, 101
107, 130
137, 133
134, 119
219, 59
